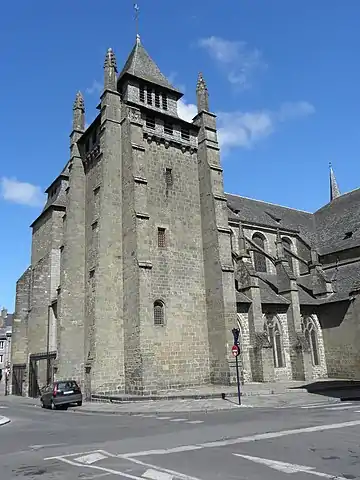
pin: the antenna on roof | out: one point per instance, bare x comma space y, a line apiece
136, 8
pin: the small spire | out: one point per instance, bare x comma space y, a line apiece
202, 94
110, 70
334, 188
138, 40
79, 112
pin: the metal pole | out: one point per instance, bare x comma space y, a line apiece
238, 378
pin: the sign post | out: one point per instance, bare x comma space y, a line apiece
235, 349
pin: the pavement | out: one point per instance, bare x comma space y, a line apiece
320, 437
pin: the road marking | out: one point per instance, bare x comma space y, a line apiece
322, 405
178, 420
163, 418
156, 475
340, 407
102, 469
49, 445
2, 406
194, 422
288, 467
147, 416
251, 438
177, 475
92, 458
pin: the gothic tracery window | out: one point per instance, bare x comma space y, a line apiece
259, 257
310, 331
159, 313
288, 246
273, 330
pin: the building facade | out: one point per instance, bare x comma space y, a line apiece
6, 320
141, 265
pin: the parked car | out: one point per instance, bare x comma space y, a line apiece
61, 394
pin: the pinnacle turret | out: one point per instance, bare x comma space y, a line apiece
110, 70
202, 94
334, 188
79, 112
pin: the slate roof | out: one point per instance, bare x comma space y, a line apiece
140, 65
344, 280
335, 220
268, 290
268, 214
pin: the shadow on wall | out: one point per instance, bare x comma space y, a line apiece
342, 389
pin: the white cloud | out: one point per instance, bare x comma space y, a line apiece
96, 87
186, 111
22, 193
236, 58
244, 129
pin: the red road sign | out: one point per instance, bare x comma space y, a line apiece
235, 350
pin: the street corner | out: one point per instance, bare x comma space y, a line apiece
4, 420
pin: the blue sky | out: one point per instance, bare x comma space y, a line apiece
283, 78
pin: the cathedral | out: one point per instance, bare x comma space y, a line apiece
141, 265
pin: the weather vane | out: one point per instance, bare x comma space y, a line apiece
136, 8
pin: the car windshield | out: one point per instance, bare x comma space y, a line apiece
67, 385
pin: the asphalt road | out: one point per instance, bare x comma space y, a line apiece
246, 443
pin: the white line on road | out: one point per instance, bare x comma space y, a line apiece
195, 422
251, 438
340, 407
103, 469
322, 405
92, 458
178, 420
177, 475
163, 418
288, 467
156, 475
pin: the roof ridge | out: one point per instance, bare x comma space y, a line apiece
269, 203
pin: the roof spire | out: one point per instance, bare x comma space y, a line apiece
202, 94
334, 188
110, 70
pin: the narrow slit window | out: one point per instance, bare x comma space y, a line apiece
150, 122
142, 93
161, 237
185, 133
149, 96
168, 177
168, 128
164, 102
157, 99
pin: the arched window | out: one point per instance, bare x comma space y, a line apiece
273, 331
309, 329
287, 244
259, 257
159, 313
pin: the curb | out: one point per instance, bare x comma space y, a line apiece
4, 421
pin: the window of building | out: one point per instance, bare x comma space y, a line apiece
1, 344
150, 122
168, 177
259, 256
185, 133
310, 331
96, 191
168, 128
149, 96
273, 330
1, 358
287, 244
94, 225
159, 313
157, 99
161, 237
64, 218
164, 102
94, 138
92, 273
142, 93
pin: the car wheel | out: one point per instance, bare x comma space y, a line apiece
42, 403
53, 406
79, 404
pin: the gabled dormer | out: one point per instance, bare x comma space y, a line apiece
142, 83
